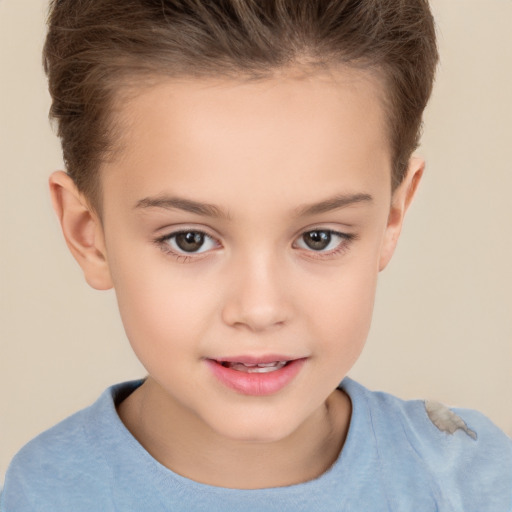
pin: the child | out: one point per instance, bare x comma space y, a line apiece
239, 172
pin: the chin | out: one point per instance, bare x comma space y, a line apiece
256, 429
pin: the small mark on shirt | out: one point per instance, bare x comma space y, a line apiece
446, 420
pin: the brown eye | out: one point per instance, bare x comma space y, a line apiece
191, 241
323, 241
317, 240
187, 243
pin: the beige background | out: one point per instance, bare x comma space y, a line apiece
443, 319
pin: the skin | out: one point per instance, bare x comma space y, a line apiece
262, 153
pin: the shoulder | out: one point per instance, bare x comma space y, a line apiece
64, 464
460, 453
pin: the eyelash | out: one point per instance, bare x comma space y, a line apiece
163, 243
342, 247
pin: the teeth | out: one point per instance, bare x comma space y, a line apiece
255, 368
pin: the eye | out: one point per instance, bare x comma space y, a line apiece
189, 242
321, 240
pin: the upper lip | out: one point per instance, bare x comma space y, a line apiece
248, 359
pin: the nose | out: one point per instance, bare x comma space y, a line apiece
257, 299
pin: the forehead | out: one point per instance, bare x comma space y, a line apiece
237, 134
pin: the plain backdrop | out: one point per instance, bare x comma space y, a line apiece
443, 316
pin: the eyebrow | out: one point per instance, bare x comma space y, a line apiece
210, 210
333, 203
187, 205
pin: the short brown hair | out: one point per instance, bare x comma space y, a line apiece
93, 47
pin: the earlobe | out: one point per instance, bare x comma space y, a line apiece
82, 230
401, 200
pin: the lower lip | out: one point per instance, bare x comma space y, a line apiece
256, 384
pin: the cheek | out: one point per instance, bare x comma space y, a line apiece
342, 312
159, 304
350, 311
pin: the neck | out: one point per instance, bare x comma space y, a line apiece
186, 446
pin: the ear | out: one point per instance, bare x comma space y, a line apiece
82, 230
400, 201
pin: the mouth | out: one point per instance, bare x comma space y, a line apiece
254, 367
256, 376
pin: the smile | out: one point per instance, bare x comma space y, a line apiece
251, 377
255, 367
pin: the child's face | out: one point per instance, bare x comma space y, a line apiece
248, 222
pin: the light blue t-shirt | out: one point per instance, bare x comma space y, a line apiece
394, 459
